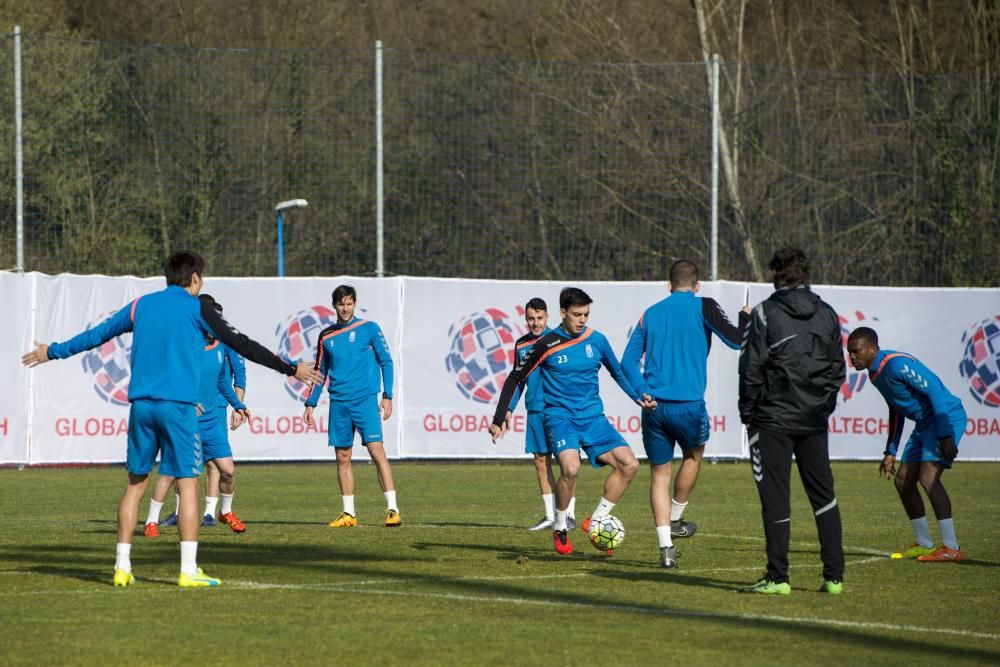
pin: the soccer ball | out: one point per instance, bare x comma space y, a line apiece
606, 533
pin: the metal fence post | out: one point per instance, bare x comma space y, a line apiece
379, 185
18, 149
715, 166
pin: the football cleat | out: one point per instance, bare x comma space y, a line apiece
345, 520
682, 528
545, 522
123, 578
585, 526
832, 586
392, 519
571, 523
151, 530
171, 520
767, 587
668, 557
943, 555
230, 519
200, 580
915, 551
560, 540
209, 521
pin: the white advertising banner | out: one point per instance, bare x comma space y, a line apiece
452, 344
15, 340
458, 348
81, 403
954, 332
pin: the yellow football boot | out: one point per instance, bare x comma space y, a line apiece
345, 520
392, 519
123, 578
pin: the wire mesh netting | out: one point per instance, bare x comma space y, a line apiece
493, 168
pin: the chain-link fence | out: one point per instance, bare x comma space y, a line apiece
493, 168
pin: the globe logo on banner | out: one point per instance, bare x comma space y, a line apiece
297, 339
980, 363
482, 352
855, 380
109, 366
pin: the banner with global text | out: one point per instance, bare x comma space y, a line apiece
452, 343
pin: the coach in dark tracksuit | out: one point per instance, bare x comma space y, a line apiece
791, 368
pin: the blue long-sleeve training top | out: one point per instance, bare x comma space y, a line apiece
356, 358
912, 391
534, 395
235, 370
675, 336
168, 333
569, 367
216, 381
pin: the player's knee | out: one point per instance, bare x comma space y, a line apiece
629, 466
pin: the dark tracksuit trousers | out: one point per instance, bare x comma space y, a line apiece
771, 460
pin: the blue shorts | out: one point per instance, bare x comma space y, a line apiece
167, 427
923, 442
594, 434
214, 435
534, 435
360, 415
684, 423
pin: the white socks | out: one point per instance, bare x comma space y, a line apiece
549, 502
210, 505
571, 510
923, 532
603, 509
663, 536
123, 557
390, 500
349, 505
560, 522
676, 511
154, 511
189, 558
227, 503
947, 528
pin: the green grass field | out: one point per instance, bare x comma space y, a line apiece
462, 582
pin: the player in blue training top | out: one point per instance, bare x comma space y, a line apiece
168, 335
353, 353
913, 391
570, 358
673, 338
223, 381
536, 316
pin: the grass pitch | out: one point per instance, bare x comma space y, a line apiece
462, 582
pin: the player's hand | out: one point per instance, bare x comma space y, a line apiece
887, 468
36, 357
385, 406
496, 432
747, 309
947, 448
306, 373
647, 402
239, 416
307, 416
198, 409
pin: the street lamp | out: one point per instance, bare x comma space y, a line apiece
279, 209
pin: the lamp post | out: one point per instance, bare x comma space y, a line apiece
279, 209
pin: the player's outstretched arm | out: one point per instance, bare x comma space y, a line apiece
718, 322
116, 325
522, 368
249, 348
610, 362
